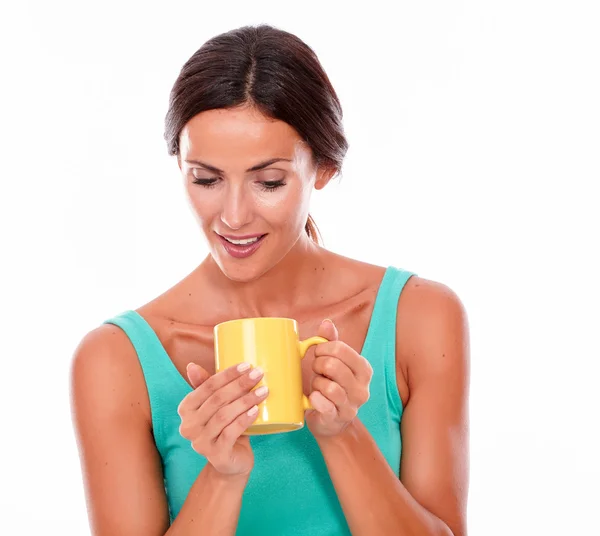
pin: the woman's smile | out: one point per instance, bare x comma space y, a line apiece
241, 247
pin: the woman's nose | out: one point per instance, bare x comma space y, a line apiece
237, 210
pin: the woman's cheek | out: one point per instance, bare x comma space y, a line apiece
271, 200
280, 208
205, 206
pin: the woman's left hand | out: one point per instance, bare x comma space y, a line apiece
340, 387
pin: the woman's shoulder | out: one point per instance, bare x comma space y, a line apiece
432, 327
105, 372
105, 366
425, 302
106, 350
425, 306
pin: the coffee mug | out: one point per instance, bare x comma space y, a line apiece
273, 344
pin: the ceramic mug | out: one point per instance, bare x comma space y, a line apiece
273, 344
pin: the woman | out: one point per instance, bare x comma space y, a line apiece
256, 125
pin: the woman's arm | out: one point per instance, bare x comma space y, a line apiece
121, 467
433, 338
430, 498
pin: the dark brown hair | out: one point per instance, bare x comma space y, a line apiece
271, 70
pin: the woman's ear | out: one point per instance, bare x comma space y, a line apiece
324, 175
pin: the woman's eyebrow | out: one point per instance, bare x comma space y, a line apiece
257, 167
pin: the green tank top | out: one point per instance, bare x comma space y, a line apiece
289, 492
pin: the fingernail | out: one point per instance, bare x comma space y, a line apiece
256, 373
253, 411
261, 391
243, 367
328, 320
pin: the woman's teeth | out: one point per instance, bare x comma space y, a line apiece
244, 242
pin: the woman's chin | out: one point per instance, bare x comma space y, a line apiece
239, 266
240, 270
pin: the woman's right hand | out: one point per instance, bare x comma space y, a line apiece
215, 414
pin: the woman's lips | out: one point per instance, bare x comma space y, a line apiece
241, 251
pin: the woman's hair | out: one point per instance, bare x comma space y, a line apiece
271, 70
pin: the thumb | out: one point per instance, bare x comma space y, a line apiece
196, 374
328, 330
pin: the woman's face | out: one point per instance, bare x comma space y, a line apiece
249, 179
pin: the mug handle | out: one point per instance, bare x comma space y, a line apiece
303, 346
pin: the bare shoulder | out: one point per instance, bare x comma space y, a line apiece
432, 329
425, 298
105, 363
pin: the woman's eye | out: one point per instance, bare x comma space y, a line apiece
269, 186
207, 183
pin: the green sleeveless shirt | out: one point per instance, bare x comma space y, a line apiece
289, 492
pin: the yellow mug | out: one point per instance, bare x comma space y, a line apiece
274, 345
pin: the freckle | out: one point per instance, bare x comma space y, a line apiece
172, 323
443, 355
190, 294
105, 463
323, 268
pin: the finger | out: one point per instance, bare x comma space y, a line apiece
336, 370
233, 431
328, 330
197, 397
322, 404
335, 394
196, 374
359, 366
225, 416
223, 406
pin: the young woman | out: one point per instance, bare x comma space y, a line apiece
255, 125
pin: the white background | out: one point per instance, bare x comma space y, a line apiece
475, 139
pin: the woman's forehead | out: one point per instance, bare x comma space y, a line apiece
239, 128
241, 137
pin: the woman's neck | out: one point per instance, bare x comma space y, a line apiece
288, 286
